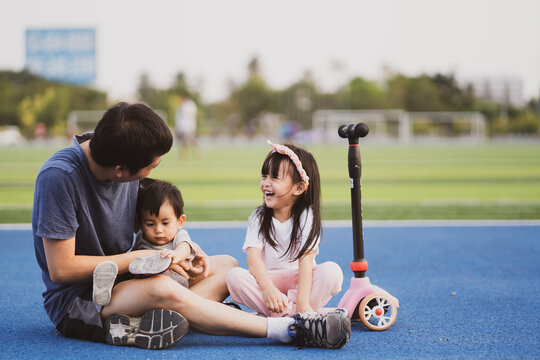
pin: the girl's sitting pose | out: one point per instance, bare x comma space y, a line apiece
282, 241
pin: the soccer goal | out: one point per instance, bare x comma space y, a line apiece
458, 125
402, 126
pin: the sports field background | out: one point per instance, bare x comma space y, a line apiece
436, 181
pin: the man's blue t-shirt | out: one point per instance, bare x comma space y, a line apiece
70, 202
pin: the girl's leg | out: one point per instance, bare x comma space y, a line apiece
245, 290
327, 280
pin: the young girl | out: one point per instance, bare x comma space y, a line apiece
282, 241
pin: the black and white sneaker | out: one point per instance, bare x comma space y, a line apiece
104, 276
330, 331
149, 265
155, 329
232, 304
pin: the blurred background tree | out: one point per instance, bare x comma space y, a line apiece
166, 99
27, 100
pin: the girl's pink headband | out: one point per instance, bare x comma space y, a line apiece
282, 149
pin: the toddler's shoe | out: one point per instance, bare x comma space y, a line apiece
149, 265
104, 276
155, 329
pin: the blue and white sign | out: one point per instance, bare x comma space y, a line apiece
67, 55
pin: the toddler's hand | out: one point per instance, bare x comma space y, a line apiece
166, 253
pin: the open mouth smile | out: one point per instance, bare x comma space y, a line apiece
268, 194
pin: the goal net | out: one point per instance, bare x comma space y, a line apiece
402, 126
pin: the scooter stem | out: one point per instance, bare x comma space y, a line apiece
353, 132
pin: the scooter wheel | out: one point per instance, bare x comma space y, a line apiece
377, 312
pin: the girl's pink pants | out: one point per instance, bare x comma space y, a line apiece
244, 289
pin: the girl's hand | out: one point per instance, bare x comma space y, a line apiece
275, 300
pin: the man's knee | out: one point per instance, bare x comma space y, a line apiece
225, 262
230, 261
164, 288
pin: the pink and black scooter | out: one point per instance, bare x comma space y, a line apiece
368, 303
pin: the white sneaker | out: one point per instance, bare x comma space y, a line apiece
104, 276
149, 265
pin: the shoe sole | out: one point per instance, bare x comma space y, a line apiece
149, 265
156, 329
104, 276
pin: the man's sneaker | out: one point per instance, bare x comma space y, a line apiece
330, 331
149, 265
156, 329
232, 304
104, 276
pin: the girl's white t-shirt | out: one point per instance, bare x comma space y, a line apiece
273, 258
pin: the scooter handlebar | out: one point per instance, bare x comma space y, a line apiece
353, 131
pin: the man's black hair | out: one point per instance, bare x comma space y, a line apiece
131, 136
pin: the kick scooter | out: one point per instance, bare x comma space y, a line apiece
368, 303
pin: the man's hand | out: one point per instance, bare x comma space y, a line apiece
200, 263
180, 268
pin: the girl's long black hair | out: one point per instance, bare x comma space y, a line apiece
311, 198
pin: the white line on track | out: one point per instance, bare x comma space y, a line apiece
342, 223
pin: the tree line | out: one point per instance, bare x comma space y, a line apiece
26, 100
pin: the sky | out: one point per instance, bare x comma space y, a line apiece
212, 41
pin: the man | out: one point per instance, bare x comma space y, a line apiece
84, 207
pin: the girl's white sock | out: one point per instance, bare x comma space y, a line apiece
278, 329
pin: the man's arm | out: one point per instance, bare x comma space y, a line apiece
65, 266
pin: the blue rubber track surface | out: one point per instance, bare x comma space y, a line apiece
465, 292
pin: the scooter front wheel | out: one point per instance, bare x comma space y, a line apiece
377, 312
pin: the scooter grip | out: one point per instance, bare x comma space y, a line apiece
353, 130
342, 131
361, 130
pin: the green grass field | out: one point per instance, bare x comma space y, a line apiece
491, 181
